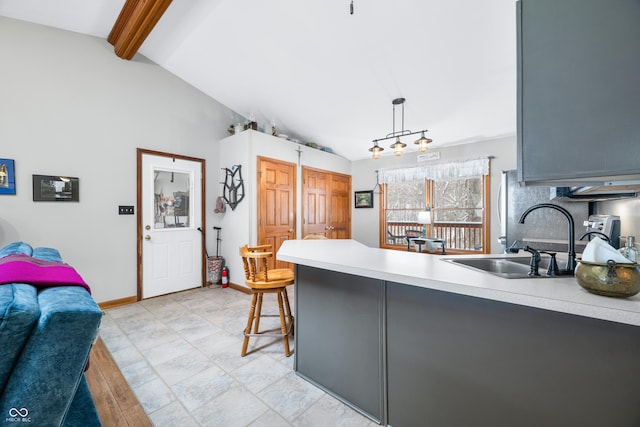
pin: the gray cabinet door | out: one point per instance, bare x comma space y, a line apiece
338, 335
578, 90
455, 360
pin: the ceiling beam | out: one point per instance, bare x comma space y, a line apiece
135, 22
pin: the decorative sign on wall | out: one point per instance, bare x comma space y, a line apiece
47, 188
233, 186
431, 155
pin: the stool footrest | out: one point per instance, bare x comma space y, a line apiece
268, 332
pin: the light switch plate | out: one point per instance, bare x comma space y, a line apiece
125, 210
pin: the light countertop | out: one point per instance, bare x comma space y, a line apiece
561, 294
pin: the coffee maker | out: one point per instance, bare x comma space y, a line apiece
608, 225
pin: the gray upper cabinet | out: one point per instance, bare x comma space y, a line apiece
578, 89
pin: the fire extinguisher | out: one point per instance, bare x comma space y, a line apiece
225, 276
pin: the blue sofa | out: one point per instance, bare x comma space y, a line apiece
46, 335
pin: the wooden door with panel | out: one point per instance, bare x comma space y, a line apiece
340, 210
276, 205
315, 201
326, 203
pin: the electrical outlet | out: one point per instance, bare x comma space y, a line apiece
125, 210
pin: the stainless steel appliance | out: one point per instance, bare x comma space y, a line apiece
605, 224
544, 229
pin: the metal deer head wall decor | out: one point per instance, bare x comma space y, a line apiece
233, 186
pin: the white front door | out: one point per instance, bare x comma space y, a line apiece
171, 216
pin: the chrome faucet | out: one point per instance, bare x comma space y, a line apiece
571, 260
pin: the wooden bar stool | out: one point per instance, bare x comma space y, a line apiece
315, 237
262, 281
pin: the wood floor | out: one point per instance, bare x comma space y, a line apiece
116, 403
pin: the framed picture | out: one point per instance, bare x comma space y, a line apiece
7, 176
364, 199
47, 188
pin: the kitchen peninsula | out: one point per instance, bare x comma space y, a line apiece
408, 339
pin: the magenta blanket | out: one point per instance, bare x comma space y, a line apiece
19, 268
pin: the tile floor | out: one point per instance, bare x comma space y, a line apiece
180, 354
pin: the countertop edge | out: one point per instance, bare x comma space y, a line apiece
562, 295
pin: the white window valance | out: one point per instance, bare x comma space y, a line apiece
439, 172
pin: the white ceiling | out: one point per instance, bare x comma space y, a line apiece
324, 75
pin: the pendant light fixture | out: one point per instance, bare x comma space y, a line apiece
398, 145
375, 150
423, 143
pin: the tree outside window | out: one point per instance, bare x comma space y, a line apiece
459, 207
460, 212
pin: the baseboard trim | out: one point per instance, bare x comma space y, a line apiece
240, 288
117, 302
131, 300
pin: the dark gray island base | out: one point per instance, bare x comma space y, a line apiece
407, 355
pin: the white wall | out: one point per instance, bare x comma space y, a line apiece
239, 226
365, 221
69, 106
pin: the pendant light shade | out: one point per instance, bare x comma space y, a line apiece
398, 146
423, 143
375, 150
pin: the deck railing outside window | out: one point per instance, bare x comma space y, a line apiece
463, 236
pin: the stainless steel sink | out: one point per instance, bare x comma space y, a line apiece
509, 268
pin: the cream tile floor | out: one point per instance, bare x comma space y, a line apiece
180, 354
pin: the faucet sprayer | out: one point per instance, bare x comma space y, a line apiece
596, 233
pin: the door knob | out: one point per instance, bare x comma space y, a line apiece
147, 237
147, 227
291, 230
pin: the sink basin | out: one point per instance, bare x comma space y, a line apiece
509, 268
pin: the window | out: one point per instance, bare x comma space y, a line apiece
460, 212
459, 207
401, 203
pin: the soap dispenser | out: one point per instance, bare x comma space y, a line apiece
630, 251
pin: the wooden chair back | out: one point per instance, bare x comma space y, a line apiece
257, 274
254, 260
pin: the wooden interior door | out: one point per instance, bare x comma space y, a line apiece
340, 213
315, 199
326, 203
276, 205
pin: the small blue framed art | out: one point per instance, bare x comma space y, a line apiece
7, 176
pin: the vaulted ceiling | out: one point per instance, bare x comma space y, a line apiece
324, 75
